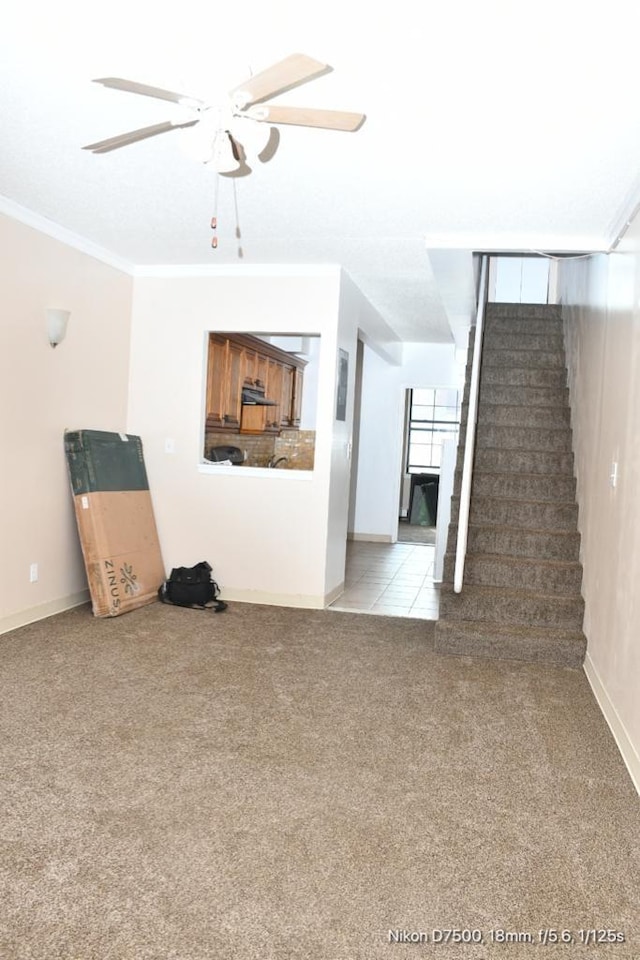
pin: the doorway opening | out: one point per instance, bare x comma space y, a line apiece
431, 423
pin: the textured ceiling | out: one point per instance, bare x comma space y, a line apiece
498, 125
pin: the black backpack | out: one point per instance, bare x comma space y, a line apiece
192, 587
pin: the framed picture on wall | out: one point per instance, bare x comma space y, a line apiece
343, 379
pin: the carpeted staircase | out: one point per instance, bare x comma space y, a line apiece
521, 593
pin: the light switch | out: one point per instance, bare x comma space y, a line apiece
613, 477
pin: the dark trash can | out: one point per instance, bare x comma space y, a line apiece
423, 501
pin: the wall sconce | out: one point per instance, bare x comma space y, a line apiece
57, 325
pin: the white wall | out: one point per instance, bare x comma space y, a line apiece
268, 535
352, 307
308, 413
380, 444
80, 384
519, 279
601, 298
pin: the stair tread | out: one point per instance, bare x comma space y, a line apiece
517, 451
561, 398
515, 592
533, 501
513, 400
535, 342
555, 645
512, 526
500, 345
527, 369
511, 427
532, 450
521, 628
506, 473
489, 406
509, 527
555, 502
484, 404
496, 351
525, 561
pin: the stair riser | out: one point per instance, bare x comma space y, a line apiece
454, 638
496, 357
524, 396
525, 376
523, 415
532, 514
548, 341
541, 545
517, 376
516, 574
495, 326
521, 487
522, 461
566, 613
530, 359
525, 311
523, 438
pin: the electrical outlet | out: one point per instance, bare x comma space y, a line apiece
33, 573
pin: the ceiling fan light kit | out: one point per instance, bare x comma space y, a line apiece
223, 157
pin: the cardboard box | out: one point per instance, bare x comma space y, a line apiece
115, 520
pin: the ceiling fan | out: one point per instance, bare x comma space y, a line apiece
239, 130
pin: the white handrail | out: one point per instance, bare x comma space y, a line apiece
470, 437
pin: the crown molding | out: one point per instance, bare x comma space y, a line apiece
626, 214
516, 244
52, 229
178, 270
161, 270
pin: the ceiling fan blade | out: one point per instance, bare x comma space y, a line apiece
123, 139
309, 117
130, 86
287, 73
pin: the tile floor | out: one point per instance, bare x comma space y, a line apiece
392, 579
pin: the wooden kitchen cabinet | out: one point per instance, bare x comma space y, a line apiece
240, 361
296, 400
216, 381
275, 377
253, 419
235, 370
224, 383
286, 395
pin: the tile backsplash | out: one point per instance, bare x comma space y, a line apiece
298, 446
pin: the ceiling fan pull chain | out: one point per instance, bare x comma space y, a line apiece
238, 231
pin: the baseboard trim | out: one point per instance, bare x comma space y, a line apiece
307, 601
617, 727
333, 594
44, 610
371, 537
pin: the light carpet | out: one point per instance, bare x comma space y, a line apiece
280, 784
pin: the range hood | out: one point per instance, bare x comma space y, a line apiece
254, 396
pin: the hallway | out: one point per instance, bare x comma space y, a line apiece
390, 579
